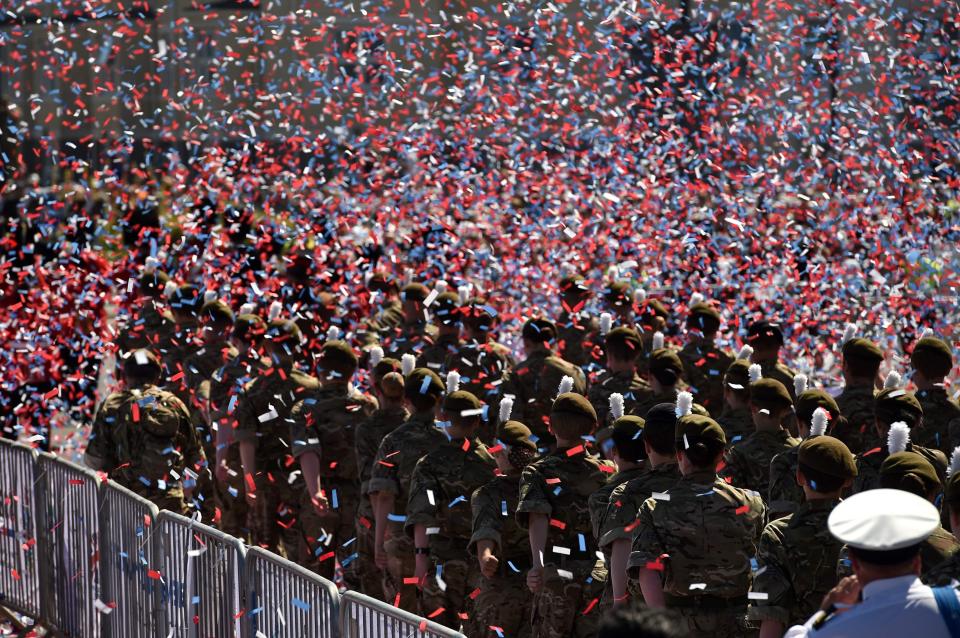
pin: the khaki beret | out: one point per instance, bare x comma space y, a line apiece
249, 328
618, 293
280, 330
516, 434
338, 356
142, 363
704, 317
385, 366
573, 285
809, 400
910, 472
624, 341
764, 332
423, 381
217, 311
864, 350
539, 330
456, 403
951, 491
770, 393
627, 428
665, 359
574, 404
738, 375
932, 357
153, 283
446, 308
414, 292
651, 311
896, 404
829, 456
694, 427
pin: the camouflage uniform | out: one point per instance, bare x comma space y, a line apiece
773, 369
143, 440
367, 440
324, 422
941, 420
392, 471
226, 386
667, 396
747, 464
856, 406
797, 558
670, 536
784, 495
440, 490
481, 366
576, 338
737, 424
530, 405
634, 390
151, 327
408, 338
704, 365
559, 485
386, 320
504, 601
263, 418
436, 352
868, 465
946, 572
199, 368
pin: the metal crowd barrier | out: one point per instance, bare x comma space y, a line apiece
365, 617
19, 570
286, 600
68, 536
87, 558
129, 559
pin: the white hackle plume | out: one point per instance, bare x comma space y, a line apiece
169, 289
209, 295
333, 333
818, 424
275, 309
441, 286
799, 384
616, 405
898, 437
464, 293
376, 356
248, 308
927, 332
566, 385
745, 353
506, 408
151, 266
755, 372
640, 295
849, 332
453, 381
892, 381
606, 322
657, 340
695, 298
955, 461
684, 404
407, 363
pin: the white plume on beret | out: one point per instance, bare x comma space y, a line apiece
818, 424
150, 266
755, 372
407, 363
849, 332
892, 381
745, 353
640, 295
441, 286
799, 384
275, 309
898, 437
464, 293
616, 405
376, 356
955, 461
169, 289
248, 308
333, 333
695, 298
657, 340
927, 332
606, 322
209, 295
506, 407
453, 381
684, 404
566, 385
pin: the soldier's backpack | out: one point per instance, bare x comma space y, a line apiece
146, 429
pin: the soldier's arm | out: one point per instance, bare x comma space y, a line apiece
771, 581
645, 558
99, 454
422, 502
306, 449
383, 489
246, 436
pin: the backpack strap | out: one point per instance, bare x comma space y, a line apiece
949, 606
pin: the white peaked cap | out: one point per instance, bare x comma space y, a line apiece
883, 520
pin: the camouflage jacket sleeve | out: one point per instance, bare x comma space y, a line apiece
772, 580
192, 449
488, 512
248, 423
422, 502
619, 521
384, 475
784, 494
301, 416
366, 451
100, 449
734, 470
647, 545
533, 495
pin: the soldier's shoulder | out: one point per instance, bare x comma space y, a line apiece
304, 380
166, 398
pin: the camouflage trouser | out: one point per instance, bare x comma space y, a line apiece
567, 607
172, 501
716, 623
504, 602
446, 594
325, 533
274, 521
367, 574
231, 498
399, 583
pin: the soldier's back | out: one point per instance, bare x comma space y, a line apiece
704, 365
857, 407
941, 420
482, 367
747, 463
634, 390
625, 501
784, 495
737, 424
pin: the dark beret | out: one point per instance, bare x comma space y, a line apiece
764, 332
142, 363
423, 381
516, 434
932, 357
863, 350
618, 293
770, 393
574, 404
738, 375
249, 327
829, 456
810, 400
573, 285
446, 308
338, 356
704, 317
910, 472
217, 311
624, 341
665, 359
153, 283
381, 282
896, 404
456, 403
414, 292
694, 427
539, 330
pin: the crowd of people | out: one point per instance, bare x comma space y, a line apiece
542, 490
